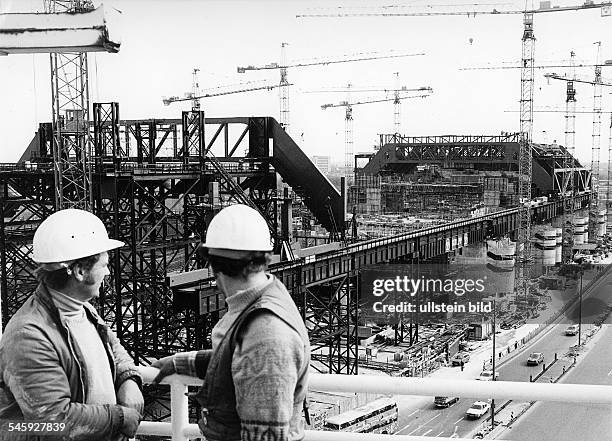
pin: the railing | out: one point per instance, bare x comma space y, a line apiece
179, 429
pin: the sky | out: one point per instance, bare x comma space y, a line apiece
163, 40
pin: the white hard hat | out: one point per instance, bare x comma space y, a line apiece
69, 235
238, 227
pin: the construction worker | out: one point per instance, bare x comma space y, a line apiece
256, 374
59, 362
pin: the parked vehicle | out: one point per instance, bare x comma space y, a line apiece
571, 330
445, 401
487, 375
470, 345
535, 358
378, 416
478, 409
459, 358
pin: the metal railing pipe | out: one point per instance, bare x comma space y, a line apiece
569, 393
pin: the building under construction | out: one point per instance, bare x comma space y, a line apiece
449, 177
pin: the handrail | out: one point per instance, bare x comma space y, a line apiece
179, 429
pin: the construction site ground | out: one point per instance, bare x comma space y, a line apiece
510, 344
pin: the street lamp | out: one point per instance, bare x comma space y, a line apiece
580, 309
493, 299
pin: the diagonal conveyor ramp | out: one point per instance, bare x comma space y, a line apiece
320, 196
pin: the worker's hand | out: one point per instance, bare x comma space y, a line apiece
129, 395
165, 366
131, 420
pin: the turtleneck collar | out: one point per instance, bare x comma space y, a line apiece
241, 299
68, 307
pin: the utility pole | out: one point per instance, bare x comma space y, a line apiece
580, 309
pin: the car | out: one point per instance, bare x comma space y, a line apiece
535, 358
459, 358
487, 375
470, 345
445, 401
478, 409
572, 330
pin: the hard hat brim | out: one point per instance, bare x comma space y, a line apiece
107, 245
234, 254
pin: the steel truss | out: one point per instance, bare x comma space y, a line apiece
26, 198
331, 315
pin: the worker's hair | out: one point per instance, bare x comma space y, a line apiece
58, 279
257, 262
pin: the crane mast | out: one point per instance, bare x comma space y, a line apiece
597, 90
397, 104
195, 91
70, 119
348, 139
568, 187
597, 83
523, 246
284, 90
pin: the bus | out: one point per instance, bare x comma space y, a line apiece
378, 416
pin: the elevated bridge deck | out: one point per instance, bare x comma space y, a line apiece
421, 244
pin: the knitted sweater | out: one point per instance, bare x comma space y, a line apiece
100, 387
267, 368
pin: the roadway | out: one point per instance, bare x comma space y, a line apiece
568, 421
419, 416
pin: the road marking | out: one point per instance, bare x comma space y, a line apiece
421, 425
610, 373
405, 427
438, 435
414, 430
425, 434
461, 419
431, 419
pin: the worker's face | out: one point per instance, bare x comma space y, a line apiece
94, 277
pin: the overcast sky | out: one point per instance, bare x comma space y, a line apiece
162, 41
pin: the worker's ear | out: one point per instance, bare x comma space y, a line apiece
78, 272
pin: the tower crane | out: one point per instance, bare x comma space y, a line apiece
195, 90
597, 84
283, 67
221, 90
523, 247
70, 119
397, 90
348, 125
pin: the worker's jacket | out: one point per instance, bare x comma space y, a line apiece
43, 375
217, 396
